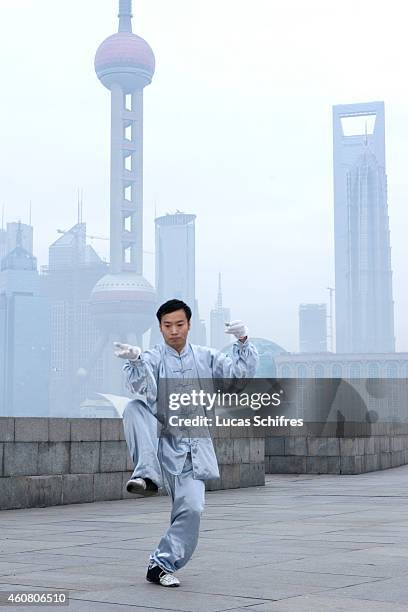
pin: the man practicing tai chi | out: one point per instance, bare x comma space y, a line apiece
181, 464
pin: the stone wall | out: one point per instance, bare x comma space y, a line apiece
52, 461
358, 448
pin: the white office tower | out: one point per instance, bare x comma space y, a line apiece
175, 268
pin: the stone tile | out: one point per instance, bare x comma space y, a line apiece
77, 488
6, 429
84, 457
397, 458
59, 430
381, 444
113, 456
351, 465
224, 449
351, 446
43, 491
49, 558
31, 429
85, 430
274, 445
242, 432
221, 431
256, 450
230, 476
287, 465
53, 458
398, 443
184, 599
20, 458
10, 547
371, 463
241, 450
108, 486
323, 446
368, 563
322, 603
111, 429
251, 474
323, 465
393, 590
6, 497
85, 605
234, 584
295, 445
59, 579
369, 445
10, 568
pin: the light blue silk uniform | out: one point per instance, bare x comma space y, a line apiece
179, 464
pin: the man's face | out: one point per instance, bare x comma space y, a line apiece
175, 328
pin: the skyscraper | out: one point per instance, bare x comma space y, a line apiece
364, 303
24, 336
175, 257
123, 300
67, 283
312, 328
175, 267
3, 243
218, 317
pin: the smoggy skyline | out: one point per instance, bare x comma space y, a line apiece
237, 131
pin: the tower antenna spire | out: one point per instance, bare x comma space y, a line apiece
125, 16
219, 296
81, 206
19, 236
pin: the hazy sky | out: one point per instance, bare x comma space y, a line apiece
237, 130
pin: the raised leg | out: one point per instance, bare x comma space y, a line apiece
140, 427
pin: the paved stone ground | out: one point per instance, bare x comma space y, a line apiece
302, 543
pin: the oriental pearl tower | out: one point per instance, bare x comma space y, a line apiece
123, 301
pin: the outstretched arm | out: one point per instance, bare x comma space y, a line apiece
141, 370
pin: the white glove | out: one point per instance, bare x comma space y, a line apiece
237, 329
127, 351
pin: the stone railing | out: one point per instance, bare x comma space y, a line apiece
357, 448
52, 461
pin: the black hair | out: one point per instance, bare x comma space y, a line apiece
172, 306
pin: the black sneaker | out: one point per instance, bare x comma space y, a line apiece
143, 486
160, 576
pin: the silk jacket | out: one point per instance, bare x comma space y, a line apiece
195, 363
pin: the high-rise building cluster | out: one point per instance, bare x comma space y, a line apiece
88, 304
57, 326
